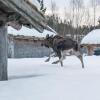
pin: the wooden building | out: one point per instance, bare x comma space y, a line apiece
26, 47
17, 13
91, 41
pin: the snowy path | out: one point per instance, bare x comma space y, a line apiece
33, 79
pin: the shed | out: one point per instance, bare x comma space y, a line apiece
91, 41
26, 43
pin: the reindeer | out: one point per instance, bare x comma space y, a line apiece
61, 46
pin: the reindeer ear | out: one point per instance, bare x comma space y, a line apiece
47, 36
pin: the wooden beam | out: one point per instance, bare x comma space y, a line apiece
33, 16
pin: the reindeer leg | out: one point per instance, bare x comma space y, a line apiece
58, 54
48, 59
81, 59
58, 62
61, 57
78, 54
51, 55
61, 61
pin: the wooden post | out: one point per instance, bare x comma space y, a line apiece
3, 53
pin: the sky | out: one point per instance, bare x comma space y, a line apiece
62, 4
59, 3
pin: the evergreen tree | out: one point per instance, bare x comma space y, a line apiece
65, 28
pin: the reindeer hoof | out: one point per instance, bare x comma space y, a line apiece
47, 60
54, 62
83, 66
61, 65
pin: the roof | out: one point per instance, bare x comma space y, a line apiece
22, 12
92, 37
29, 32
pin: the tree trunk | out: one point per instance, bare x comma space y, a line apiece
3, 53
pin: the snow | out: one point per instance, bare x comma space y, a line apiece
34, 79
92, 38
28, 32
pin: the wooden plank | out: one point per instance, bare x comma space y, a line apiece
3, 53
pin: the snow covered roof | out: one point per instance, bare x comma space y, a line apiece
92, 37
28, 32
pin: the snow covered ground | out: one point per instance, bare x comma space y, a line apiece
34, 79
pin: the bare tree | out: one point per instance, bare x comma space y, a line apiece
72, 5
53, 8
77, 13
94, 4
68, 21
54, 13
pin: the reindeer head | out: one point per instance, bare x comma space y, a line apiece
48, 41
